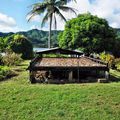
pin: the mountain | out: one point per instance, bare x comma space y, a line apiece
39, 38
6, 34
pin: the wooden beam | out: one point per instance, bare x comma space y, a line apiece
70, 76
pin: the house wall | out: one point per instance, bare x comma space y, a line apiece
67, 76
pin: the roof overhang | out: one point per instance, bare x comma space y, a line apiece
60, 51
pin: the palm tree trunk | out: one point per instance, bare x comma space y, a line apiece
49, 38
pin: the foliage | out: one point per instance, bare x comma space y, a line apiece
21, 45
2, 44
0, 59
108, 58
117, 63
88, 33
5, 72
55, 55
11, 58
116, 47
38, 38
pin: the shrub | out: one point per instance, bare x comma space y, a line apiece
5, 72
11, 58
108, 58
21, 45
117, 63
0, 59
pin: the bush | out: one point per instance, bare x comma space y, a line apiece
108, 58
5, 72
0, 59
21, 45
117, 64
11, 58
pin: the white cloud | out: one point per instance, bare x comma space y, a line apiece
7, 23
107, 9
6, 20
110, 10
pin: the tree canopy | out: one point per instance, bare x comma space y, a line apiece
88, 33
21, 45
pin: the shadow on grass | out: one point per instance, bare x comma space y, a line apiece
7, 78
114, 78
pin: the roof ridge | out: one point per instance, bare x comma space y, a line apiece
96, 60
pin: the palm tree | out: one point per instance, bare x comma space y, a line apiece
51, 8
67, 1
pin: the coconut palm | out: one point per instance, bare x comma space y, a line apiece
67, 1
51, 8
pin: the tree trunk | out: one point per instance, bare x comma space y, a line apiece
49, 38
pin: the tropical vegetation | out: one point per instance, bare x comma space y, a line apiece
38, 38
18, 44
21, 45
89, 34
6, 72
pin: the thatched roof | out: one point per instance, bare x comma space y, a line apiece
83, 61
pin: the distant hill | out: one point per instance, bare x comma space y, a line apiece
5, 34
37, 37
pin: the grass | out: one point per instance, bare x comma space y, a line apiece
19, 100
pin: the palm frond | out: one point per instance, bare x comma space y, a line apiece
37, 9
31, 16
60, 14
66, 9
67, 1
45, 19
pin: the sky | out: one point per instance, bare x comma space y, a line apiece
13, 14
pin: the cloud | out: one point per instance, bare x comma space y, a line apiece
107, 9
6, 20
7, 23
110, 10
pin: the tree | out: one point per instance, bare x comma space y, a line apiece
67, 1
50, 8
2, 44
88, 33
21, 45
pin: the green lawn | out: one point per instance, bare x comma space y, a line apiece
19, 100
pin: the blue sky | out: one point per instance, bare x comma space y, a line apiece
13, 13
17, 9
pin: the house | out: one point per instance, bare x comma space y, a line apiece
67, 67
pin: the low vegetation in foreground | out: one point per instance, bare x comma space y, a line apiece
20, 100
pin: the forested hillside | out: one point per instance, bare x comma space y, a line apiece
37, 37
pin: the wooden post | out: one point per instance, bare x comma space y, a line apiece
107, 75
71, 76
